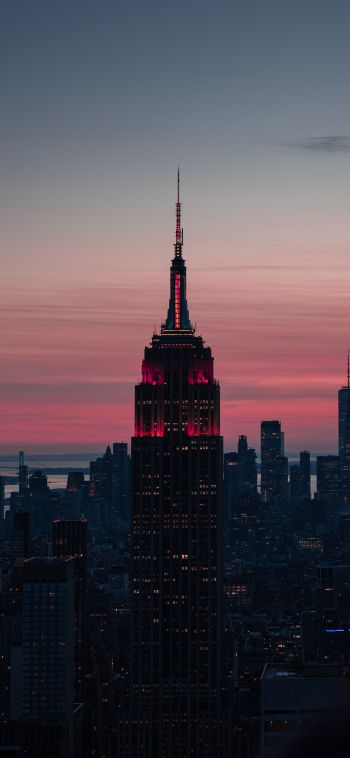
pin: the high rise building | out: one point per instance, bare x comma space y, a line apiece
2, 503
22, 473
41, 502
294, 485
70, 541
240, 474
47, 638
101, 476
305, 471
328, 475
121, 479
42, 665
177, 532
20, 535
343, 403
42, 711
274, 465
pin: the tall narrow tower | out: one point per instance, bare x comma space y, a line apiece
176, 539
343, 402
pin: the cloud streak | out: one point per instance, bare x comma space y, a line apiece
329, 144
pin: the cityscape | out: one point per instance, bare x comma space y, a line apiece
174, 379
173, 601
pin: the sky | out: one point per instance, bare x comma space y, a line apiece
100, 102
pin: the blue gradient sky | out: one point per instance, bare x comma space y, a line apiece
99, 103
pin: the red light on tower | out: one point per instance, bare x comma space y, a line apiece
177, 301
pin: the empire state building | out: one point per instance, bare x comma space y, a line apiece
176, 581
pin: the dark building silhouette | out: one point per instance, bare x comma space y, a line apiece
75, 481
20, 535
70, 541
345, 461
176, 579
231, 479
274, 465
101, 490
343, 402
101, 476
38, 482
240, 474
22, 473
271, 451
305, 473
328, 475
42, 666
294, 485
247, 526
2, 504
121, 479
40, 502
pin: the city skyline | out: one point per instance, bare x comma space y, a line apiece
255, 113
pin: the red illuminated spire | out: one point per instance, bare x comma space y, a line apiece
179, 231
178, 317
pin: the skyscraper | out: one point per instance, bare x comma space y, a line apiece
274, 465
343, 402
2, 503
42, 666
305, 470
22, 473
121, 479
176, 539
240, 474
70, 541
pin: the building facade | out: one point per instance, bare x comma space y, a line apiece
176, 541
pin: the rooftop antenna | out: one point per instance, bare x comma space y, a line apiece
179, 231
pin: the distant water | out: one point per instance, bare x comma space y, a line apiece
56, 480
75, 461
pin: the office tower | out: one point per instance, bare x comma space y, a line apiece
2, 504
38, 482
176, 558
274, 465
101, 475
101, 489
247, 466
47, 638
231, 484
305, 471
121, 479
22, 473
240, 474
41, 710
70, 541
343, 403
41, 503
75, 481
294, 485
20, 535
328, 475
308, 698
247, 528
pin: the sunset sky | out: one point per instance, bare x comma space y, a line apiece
100, 102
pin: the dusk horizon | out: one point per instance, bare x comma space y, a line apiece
89, 166
304, 400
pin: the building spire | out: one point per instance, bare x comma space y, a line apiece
179, 231
178, 317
